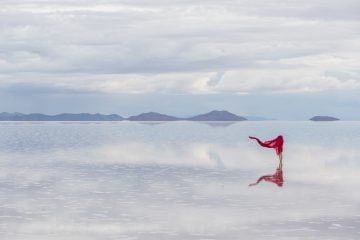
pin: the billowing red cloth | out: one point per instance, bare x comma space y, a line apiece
276, 143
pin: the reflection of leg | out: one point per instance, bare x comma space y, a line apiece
253, 184
280, 160
259, 180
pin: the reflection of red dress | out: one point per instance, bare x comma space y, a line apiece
277, 178
276, 143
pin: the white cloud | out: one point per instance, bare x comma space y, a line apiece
182, 47
61, 7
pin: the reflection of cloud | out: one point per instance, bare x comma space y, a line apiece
214, 156
184, 155
152, 123
322, 165
149, 190
310, 164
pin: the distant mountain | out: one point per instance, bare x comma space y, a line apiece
5, 116
153, 116
150, 116
60, 117
87, 117
323, 118
217, 116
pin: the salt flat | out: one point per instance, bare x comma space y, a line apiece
177, 180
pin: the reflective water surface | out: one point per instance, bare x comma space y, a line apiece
178, 180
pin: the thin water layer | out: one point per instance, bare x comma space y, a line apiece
177, 180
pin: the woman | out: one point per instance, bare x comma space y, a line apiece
276, 143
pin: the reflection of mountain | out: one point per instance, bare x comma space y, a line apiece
256, 118
152, 116
218, 124
323, 118
59, 117
217, 116
154, 123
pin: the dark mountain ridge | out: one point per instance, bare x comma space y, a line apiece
217, 116
150, 116
324, 118
59, 117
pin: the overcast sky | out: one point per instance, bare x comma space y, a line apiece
273, 58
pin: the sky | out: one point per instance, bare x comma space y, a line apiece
279, 59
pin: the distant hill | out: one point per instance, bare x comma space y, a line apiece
217, 116
152, 116
5, 116
323, 118
60, 117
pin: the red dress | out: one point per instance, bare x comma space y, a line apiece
276, 178
276, 143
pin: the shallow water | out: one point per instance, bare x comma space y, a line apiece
177, 180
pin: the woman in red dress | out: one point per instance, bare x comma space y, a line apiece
277, 144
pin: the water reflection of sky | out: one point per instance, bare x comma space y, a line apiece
177, 181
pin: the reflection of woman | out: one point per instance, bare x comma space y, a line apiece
276, 143
276, 178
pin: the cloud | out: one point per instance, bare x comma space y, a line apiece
214, 80
182, 47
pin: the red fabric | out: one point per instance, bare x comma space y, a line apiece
276, 178
276, 143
